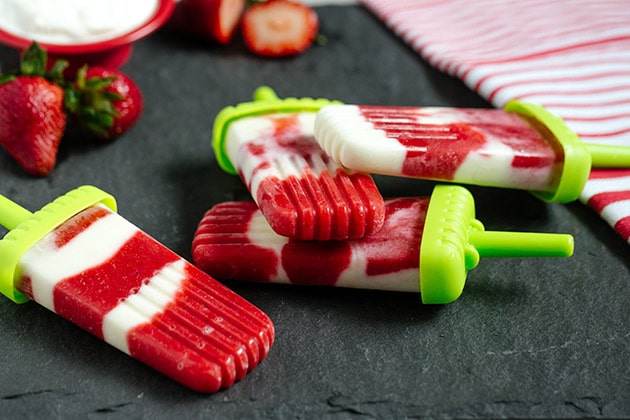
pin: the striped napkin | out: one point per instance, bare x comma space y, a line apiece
571, 56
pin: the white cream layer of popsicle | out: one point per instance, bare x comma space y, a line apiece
476, 146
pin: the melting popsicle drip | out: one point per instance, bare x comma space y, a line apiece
102, 273
302, 193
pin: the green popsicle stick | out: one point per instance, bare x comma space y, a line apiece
265, 93
12, 214
265, 102
453, 242
26, 229
609, 156
521, 244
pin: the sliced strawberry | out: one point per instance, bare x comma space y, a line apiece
212, 19
279, 28
104, 101
32, 118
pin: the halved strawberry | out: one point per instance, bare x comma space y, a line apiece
32, 118
279, 27
212, 19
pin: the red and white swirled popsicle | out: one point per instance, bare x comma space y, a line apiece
521, 147
80, 259
302, 193
426, 245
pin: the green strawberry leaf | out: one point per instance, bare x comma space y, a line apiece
6, 78
55, 74
33, 61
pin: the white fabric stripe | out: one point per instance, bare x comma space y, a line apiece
573, 98
608, 111
48, 265
504, 93
601, 128
570, 56
468, 53
616, 211
544, 23
571, 62
139, 308
597, 186
585, 78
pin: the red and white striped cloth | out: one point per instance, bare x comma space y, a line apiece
571, 56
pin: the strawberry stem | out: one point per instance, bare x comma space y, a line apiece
33, 61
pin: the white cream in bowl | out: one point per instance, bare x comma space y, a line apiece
67, 22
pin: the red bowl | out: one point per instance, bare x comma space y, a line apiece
112, 52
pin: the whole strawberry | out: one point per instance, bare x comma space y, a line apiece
104, 101
32, 118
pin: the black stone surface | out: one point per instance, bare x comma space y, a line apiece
546, 338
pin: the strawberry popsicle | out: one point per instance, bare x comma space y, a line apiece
426, 245
301, 192
522, 147
80, 259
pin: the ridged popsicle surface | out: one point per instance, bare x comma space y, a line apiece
302, 193
102, 273
234, 241
474, 146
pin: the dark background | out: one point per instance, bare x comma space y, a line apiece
528, 337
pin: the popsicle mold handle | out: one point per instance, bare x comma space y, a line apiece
577, 159
11, 213
521, 244
609, 156
445, 255
27, 228
265, 102
265, 93
453, 242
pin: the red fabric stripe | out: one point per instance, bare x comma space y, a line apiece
562, 91
591, 104
609, 173
531, 36
623, 228
601, 200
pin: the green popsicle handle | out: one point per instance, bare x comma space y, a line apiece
265, 102
521, 244
453, 242
26, 229
265, 93
609, 156
12, 214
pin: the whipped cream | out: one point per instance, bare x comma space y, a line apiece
68, 22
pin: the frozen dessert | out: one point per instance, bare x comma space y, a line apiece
426, 245
301, 192
522, 147
80, 259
